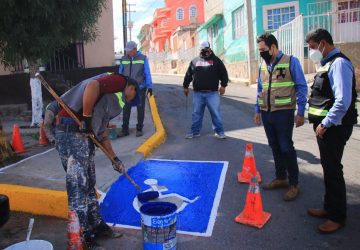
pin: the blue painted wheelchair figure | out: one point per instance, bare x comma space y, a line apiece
180, 201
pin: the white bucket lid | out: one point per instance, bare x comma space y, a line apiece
31, 245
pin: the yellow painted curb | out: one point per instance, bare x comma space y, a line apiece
36, 200
158, 137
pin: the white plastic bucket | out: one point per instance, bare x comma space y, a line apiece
31, 245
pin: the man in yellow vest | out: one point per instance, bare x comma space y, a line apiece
281, 85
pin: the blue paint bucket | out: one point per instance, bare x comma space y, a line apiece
158, 221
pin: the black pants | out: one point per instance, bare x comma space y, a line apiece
140, 113
331, 151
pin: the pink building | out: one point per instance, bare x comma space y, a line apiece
186, 13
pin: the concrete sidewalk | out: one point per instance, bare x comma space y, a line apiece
44, 169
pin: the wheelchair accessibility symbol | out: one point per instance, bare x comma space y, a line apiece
195, 187
180, 201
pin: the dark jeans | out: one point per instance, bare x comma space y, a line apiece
140, 113
279, 130
331, 151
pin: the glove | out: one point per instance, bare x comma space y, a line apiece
86, 125
118, 167
149, 92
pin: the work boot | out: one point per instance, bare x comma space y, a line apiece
91, 244
317, 212
292, 193
276, 183
139, 133
330, 227
123, 133
104, 231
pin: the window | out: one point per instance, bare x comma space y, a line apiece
239, 27
180, 14
193, 11
276, 15
349, 11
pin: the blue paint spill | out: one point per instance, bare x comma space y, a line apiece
187, 179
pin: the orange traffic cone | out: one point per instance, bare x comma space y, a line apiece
16, 141
253, 214
74, 234
43, 140
249, 167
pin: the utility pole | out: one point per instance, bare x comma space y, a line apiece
252, 65
124, 14
130, 23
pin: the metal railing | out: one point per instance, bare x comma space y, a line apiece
60, 61
344, 25
291, 38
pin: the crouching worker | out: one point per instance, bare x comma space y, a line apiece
95, 102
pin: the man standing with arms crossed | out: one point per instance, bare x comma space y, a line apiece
281, 85
136, 66
332, 110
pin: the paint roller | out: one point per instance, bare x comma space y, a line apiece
142, 196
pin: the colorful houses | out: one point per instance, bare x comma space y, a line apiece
231, 27
170, 21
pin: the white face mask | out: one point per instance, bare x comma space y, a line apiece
316, 55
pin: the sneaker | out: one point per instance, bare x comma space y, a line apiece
220, 136
292, 193
191, 136
277, 183
123, 133
139, 133
104, 231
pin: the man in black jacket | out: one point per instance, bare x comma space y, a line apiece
206, 71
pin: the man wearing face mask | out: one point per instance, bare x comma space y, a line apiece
281, 85
206, 71
332, 110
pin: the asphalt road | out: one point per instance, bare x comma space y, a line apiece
289, 227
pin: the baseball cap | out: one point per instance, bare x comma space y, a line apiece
204, 44
130, 46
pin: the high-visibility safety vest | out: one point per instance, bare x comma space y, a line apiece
322, 98
134, 67
278, 88
119, 96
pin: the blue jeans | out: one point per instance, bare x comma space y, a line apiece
211, 100
77, 157
279, 130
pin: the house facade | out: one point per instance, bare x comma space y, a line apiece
186, 13
227, 31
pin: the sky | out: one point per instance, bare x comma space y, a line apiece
144, 14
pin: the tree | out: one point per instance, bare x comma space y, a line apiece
32, 29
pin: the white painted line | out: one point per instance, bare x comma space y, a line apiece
217, 200
26, 159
